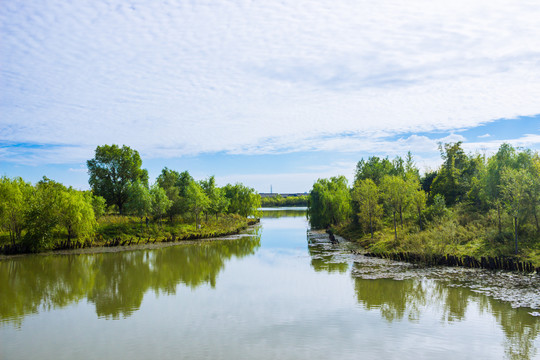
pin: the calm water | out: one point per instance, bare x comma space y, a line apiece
274, 295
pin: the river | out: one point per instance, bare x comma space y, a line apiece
279, 293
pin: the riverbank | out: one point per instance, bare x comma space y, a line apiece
124, 233
521, 290
445, 243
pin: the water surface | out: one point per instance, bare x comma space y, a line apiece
276, 294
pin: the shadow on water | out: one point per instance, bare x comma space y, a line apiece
400, 291
114, 282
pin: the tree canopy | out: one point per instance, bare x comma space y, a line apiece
112, 170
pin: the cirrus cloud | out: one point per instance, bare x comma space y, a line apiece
178, 78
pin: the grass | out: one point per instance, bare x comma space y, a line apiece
127, 229
457, 233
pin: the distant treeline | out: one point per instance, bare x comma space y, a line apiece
472, 204
38, 217
278, 200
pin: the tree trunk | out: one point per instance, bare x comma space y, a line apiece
395, 226
515, 233
499, 216
371, 225
401, 217
536, 220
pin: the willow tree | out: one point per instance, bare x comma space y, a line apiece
329, 202
76, 214
14, 196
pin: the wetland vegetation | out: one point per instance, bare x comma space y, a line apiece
472, 205
121, 208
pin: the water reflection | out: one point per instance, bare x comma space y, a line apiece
324, 258
410, 298
114, 282
283, 212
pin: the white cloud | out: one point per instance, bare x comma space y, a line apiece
184, 78
484, 136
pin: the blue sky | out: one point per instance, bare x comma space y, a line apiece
266, 93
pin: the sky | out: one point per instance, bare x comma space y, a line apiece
267, 93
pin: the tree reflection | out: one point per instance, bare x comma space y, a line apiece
283, 212
398, 299
114, 282
323, 258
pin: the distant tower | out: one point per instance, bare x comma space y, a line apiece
270, 189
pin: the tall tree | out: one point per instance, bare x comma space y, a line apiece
112, 170
376, 168
139, 201
197, 200
515, 184
392, 188
76, 214
366, 194
168, 180
159, 201
418, 199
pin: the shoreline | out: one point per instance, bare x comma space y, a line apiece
146, 246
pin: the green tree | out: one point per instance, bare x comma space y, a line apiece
243, 200
418, 199
366, 194
43, 217
168, 180
505, 158
14, 196
160, 202
76, 214
392, 188
376, 168
329, 202
112, 170
139, 201
515, 185
197, 200
455, 177
98, 204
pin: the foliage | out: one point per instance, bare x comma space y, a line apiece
329, 202
366, 194
197, 200
54, 210
112, 170
279, 201
49, 215
160, 203
14, 196
472, 204
139, 200
243, 200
